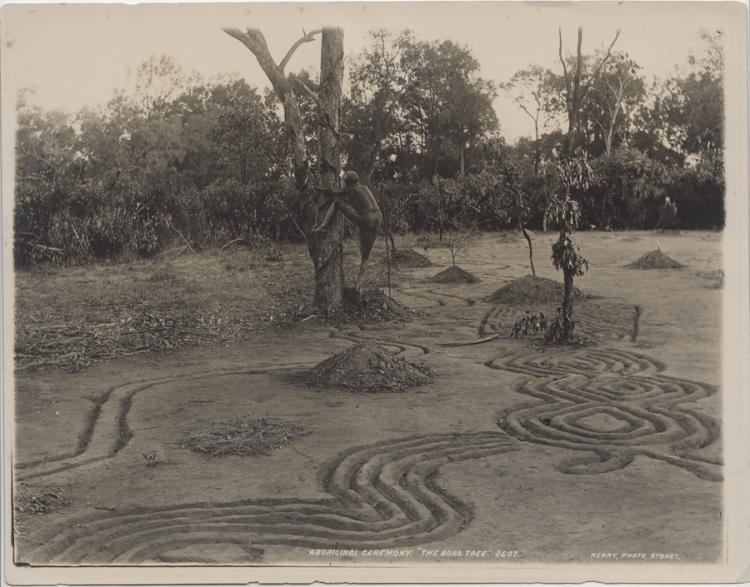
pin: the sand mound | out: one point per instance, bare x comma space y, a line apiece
367, 368
530, 289
655, 260
408, 258
454, 274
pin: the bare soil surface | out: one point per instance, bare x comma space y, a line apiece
513, 453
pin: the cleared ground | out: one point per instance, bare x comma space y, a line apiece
516, 452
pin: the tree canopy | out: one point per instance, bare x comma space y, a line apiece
177, 156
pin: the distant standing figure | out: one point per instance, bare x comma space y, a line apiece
667, 215
358, 205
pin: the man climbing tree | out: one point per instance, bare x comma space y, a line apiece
325, 247
360, 207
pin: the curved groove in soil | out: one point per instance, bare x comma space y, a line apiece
109, 432
435, 296
105, 430
406, 349
614, 322
382, 495
613, 403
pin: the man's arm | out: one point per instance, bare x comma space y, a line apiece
330, 195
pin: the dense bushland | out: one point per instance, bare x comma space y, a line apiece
207, 162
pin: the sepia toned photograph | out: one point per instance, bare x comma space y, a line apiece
374, 285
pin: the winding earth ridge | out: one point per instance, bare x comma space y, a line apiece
383, 495
386, 494
106, 431
642, 407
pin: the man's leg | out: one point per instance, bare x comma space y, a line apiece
368, 233
363, 222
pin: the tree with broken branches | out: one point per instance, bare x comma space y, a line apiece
325, 247
577, 84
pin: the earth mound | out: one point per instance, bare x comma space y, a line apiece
530, 289
368, 368
655, 260
454, 274
408, 258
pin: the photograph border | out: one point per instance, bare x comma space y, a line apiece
735, 397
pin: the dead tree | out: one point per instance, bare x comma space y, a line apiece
325, 249
576, 86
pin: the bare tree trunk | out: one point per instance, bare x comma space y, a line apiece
388, 254
531, 250
609, 136
462, 164
574, 99
577, 88
366, 176
537, 147
567, 307
326, 248
254, 40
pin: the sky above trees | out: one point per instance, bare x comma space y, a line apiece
77, 55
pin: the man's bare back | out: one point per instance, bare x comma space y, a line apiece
359, 206
360, 198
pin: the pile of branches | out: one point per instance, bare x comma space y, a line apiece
248, 437
38, 500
